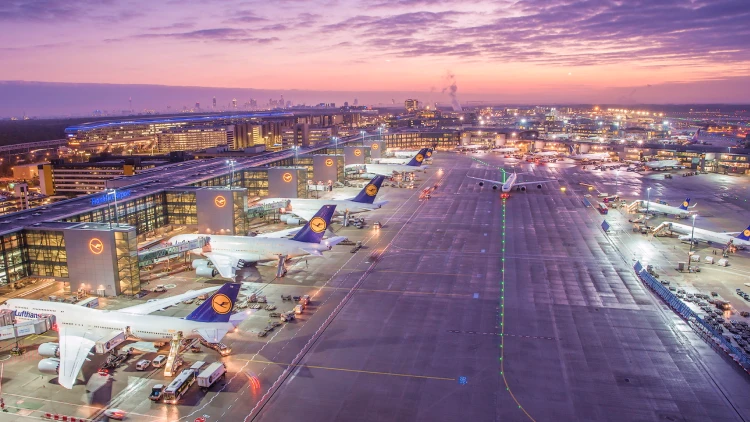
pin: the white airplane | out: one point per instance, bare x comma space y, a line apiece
545, 154
505, 150
402, 160
593, 156
389, 169
663, 165
683, 211
80, 328
741, 239
510, 183
411, 153
228, 253
364, 201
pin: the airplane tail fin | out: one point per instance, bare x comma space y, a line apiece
428, 153
314, 230
685, 204
418, 159
218, 307
744, 235
570, 148
695, 137
367, 195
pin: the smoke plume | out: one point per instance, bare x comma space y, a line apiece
451, 89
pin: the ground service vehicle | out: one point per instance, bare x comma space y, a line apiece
602, 208
159, 361
142, 365
156, 392
213, 372
177, 388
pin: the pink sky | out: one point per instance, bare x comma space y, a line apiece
560, 49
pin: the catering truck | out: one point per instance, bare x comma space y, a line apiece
213, 372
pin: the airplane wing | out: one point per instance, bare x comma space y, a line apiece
486, 180
75, 344
225, 264
281, 233
533, 183
158, 304
304, 213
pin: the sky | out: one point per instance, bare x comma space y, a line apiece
558, 50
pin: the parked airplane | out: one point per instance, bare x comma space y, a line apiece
365, 201
389, 169
412, 153
663, 165
80, 328
683, 211
402, 160
227, 253
510, 183
545, 154
741, 239
505, 150
594, 156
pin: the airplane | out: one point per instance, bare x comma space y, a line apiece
364, 201
594, 156
545, 154
402, 160
663, 165
509, 183
228, 253
505, 150
389, 169
741, 239
412, 153
80, 328
694, 138
683, 211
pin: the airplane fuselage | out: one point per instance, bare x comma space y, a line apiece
508, 185
666, 209
254, 249
153, 328
389, 169
707, 235
313, 205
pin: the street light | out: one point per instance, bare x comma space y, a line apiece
692, 237
648, 193
117, 218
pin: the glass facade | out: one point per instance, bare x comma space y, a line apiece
15, 263
239, 213
46, 251
442, 140
145, 213
126, 251
182, 208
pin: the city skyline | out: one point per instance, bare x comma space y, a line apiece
526, 51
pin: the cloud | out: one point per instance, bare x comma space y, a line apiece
68, 10
244, 16
176, 25
225, 35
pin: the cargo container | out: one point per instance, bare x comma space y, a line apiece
109, 342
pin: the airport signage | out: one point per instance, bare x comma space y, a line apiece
96, 246
109, 197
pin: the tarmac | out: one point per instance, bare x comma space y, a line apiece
463, 306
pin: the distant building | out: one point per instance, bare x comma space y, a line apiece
193, 139
411, 105
61, 178
26, 171
408, 139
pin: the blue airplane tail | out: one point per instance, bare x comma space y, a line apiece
685, 204
570, 148
367, 194
218, 307
744, 235
315, 228
428, 153
417, 160
695, 137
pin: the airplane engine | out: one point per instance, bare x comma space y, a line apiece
49, 350
523, 188
481, 183
205, 271
49, 366
539, 186
199, 263
494, 187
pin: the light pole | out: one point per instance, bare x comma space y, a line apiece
231, 172
692, 236
336, 158
648, 200
363, 137
117, 218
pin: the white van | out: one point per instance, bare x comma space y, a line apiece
159, 361
142, 365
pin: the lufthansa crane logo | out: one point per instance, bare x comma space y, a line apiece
375, 146
357, 152
221, 304
371, 190
329, 162
220, 201
746, 232
96, 246
685, 204
419, 158
317, 224
429, 154
287, 177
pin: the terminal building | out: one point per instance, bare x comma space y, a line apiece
91, 242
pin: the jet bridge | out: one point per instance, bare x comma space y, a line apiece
665, 226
